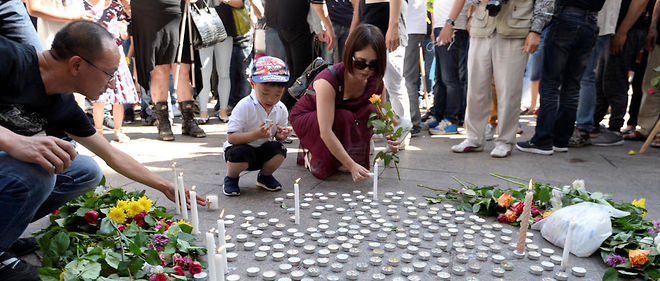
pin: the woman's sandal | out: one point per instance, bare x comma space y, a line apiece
202, 121
121, 137
635, 135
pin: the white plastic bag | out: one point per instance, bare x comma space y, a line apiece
592, 226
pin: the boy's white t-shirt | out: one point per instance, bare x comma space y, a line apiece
248, 115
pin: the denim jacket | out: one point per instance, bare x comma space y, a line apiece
515, 20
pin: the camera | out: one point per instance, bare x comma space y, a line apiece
494, 7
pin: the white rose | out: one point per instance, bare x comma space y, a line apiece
100, 190
578, 184
157, 269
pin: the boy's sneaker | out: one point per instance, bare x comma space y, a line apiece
579, 138
608, 138
466, 146
501, 150
527, 146
24, 246
14, 269
268, 183
231, 187
490, 132
446, 128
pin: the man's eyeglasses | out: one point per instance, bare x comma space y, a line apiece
359, 64
112, 76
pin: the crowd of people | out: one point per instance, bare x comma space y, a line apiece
471, 56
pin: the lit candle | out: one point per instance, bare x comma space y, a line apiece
375, 192
176, 190
567, 245
182, 195
524, 220
210, 250
194, 216
296, 198
220, 270
222, 243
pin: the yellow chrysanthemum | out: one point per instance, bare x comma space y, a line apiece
146, 203
133, 208
640, 204
117, 214
182, 222
122, 204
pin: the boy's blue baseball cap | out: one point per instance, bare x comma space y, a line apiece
269, 69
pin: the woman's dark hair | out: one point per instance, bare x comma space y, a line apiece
366, 35
83, 38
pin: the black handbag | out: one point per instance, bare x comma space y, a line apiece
300, 86
208, 27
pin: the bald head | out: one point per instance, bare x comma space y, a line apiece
83, 38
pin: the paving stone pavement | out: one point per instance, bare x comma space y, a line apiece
428, 161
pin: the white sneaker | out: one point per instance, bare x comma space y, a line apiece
466, 146
501, 150
490, 132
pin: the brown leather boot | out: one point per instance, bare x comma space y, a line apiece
189, 125
163, 122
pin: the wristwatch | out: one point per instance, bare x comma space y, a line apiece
450, 22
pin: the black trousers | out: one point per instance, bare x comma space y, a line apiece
299, 47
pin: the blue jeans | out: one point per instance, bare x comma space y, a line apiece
568, 44
587, 103
28, 192
15, 24
238, 73
448, 89
274, 46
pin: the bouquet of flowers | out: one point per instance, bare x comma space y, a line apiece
383, 121
111, 234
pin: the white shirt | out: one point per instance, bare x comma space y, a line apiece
46, 29
248, 114
441, 9
416, 17
608, 16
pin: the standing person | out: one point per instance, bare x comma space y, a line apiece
53, 15
416, 27
389, 17
111, 15
156, 27
332, 125
341, 14
288, 17
570, 40
241, 58
497, 42
38, 174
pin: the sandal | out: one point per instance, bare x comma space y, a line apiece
635, 135
202, 121
656, 142
121, 137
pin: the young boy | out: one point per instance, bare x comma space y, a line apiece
254, 122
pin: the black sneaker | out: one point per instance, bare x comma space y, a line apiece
24, 246
15, 269
608, 138
230, 188
527, 146
415, 131
579, 138
268, 183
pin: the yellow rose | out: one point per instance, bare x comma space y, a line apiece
504, 200
145, 203
640, 204
133, 208
375, 99
117, 214
638, 257
547, 214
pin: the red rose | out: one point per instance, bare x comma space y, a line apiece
140, 217
502, 218
195, 268
55, 212
158, 277
121, 227
537, 219
179, 271
162, 260
518, 207
91, 217
536, 211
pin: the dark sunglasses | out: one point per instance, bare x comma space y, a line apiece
359, 64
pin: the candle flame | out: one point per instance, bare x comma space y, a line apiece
174, 164
181, 174
221, 248
222, 213
212, 229
297, 180
531, 184
193, 187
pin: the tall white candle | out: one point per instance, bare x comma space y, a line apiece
221, 238
375, 192
568, 243
176, 190
194, 216
296, 199
220, 270
524, 219
210, 251
182, 195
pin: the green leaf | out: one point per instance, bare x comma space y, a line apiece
170, 248
49, 274
379, 125
136, 264
182, 245
470, 192
102, 182
388, 105
149, 220
655, 81
544, 195
390, 114
476, 207
186, 228
610, 275
91, 271
152, 257
106, 226
94, 254
82, 211
113, 259
141, 239
134, 248
60, 243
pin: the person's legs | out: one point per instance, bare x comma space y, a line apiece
274, 45
118, 116
412, 74
299, 52
97, 113
480, 69
206, 56
239, 158
462, 44
223, 53
15, 24
587, 102
650, 105
393, 80
448, 65
186, 103
159, 87
636, 99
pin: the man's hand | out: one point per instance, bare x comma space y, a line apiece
263, 131
53, 154
618, 41
282, 133
651, 39
532, 42
392, 39
327, 36
445, 35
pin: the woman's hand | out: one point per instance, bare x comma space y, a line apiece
393, 144
359, 173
